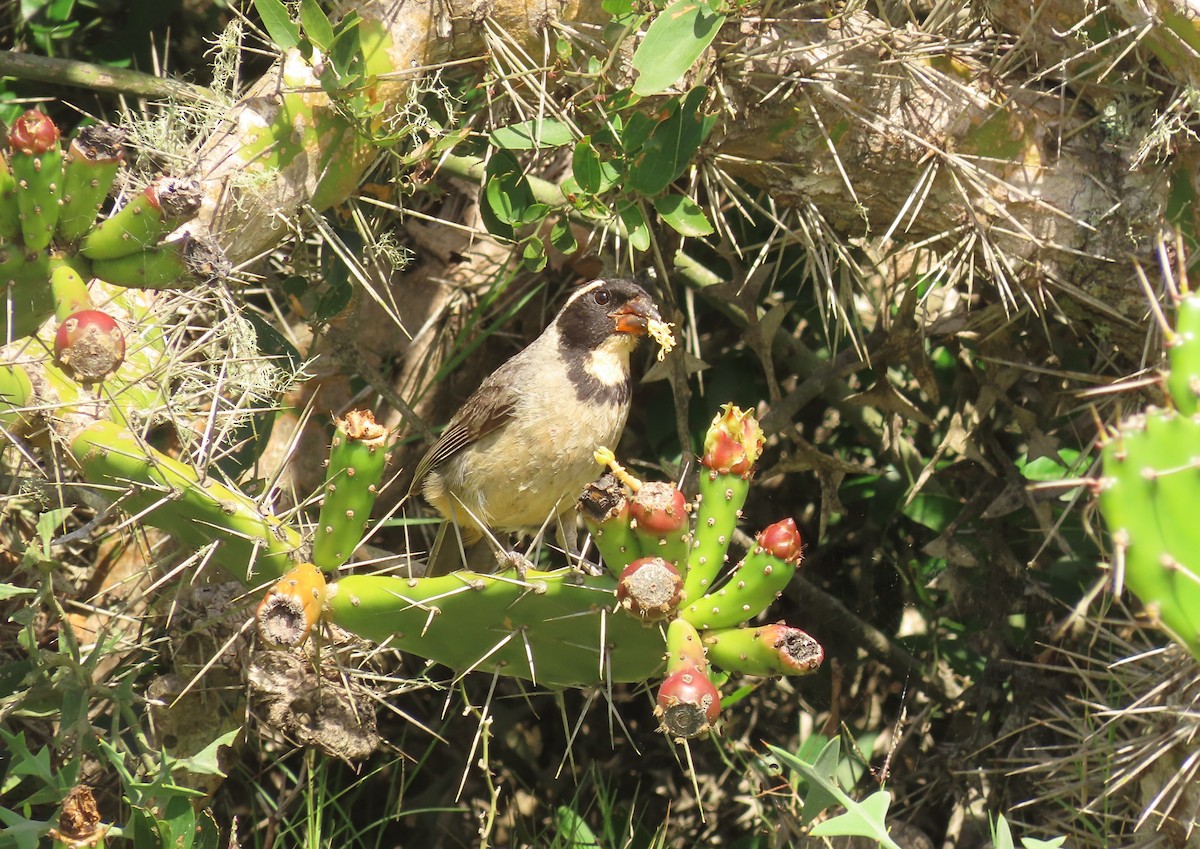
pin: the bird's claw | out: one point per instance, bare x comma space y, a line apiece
514, 560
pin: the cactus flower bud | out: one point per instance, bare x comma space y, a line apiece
782, 540
734, 442
33, 134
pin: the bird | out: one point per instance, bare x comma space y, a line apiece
520, 450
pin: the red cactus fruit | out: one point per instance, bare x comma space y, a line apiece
659, 508
90, 345
782, 540
651, 588
688, 703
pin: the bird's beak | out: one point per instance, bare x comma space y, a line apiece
634, 316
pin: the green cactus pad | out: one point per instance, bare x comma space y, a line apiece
10, 213
167, 494
720, 500
141, 223
24, 292
357, 458
1183, 381
555, 628
92, 161
15, 394
755, 583
1148, 497
766, 651
36, 159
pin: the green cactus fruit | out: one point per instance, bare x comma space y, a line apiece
179, 264
10, 212
92, 161
650, 588
688, 702
357, 457
69, 290
605, 512
140, 224
732, 446
1147, 495
1183, 354
37, 163
659, 517
163, 492
16, 393
25, 296
291, 608
555, 628
684, 646
755, 583
766, 651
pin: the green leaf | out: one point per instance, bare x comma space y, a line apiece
316, 25
8, 591
635, 224
205, 761
280, 27
683, 215
534, 254
673, 43
672, 145
585, 166
867, 818
1001, 834
529, 135
561, 236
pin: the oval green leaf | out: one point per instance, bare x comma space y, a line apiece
673, 43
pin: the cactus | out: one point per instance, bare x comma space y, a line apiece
755, 583
1149, 488
37, 164
179, 264
168, 494
92, 161
357, 457
605, 512
554, 628
688, 702
141, 223
766, 651
291, 608
10, 212
732, 446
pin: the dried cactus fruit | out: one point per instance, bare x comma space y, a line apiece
291, 608
605, 512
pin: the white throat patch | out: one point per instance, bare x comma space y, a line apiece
610, 362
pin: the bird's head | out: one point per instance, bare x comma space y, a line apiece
605, 307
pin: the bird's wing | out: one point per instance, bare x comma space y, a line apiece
490, 407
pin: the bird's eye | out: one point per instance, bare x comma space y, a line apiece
602, 298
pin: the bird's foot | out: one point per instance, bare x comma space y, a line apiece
514, 560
